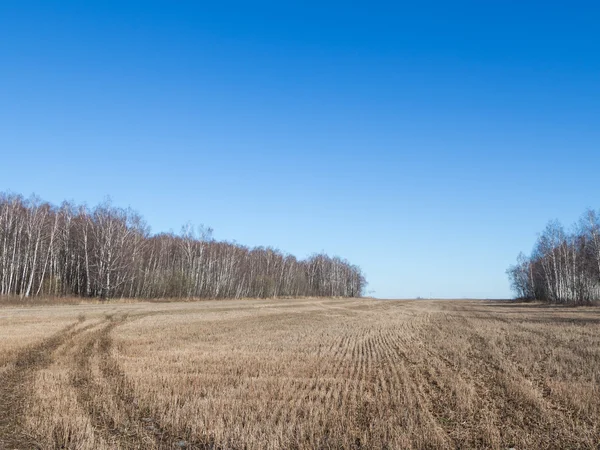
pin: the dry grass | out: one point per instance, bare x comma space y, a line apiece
300, 374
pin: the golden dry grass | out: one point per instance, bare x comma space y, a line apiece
308, 373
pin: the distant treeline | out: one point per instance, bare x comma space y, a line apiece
109, 252
564, 267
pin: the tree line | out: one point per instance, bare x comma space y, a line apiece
107, 251
564, 266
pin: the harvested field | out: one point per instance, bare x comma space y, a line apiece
311, 373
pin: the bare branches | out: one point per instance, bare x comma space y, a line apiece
108, 252
564, 267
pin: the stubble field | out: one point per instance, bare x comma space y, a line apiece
311, 373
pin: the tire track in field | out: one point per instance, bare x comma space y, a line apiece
89, 393
542, 411
103, 398
149, 432
493, 407
497, 383
408, 376
436, 377
503, 393
15, 386
542, 382
107, 396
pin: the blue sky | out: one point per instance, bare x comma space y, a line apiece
427, 143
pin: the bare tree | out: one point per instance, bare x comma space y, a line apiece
564, 267
108, 251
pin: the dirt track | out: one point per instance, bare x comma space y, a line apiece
15, 384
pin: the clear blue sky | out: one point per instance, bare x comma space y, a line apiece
428, 144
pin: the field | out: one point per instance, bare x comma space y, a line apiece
311, 373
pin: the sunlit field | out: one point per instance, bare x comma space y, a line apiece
310, 373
